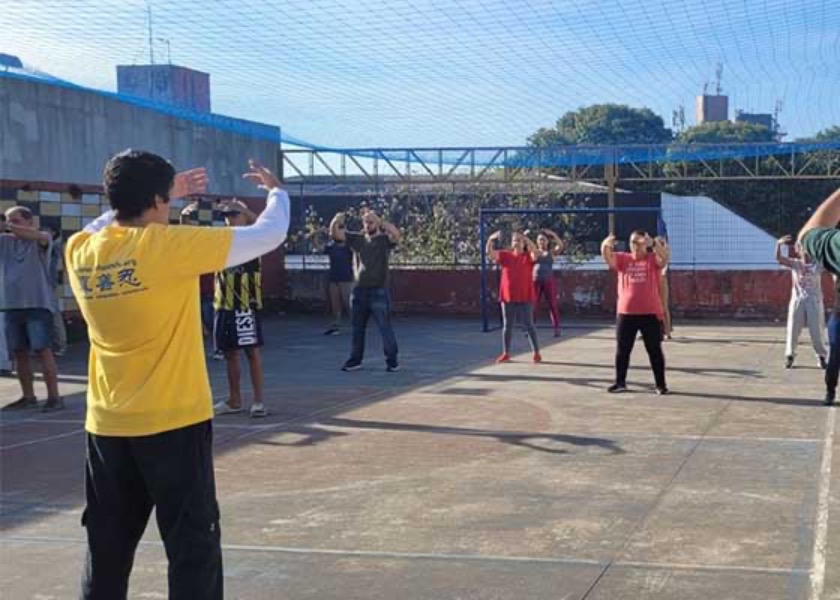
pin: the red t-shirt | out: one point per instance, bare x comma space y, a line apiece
638, 285
517, 283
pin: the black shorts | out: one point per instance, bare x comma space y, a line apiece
235, 329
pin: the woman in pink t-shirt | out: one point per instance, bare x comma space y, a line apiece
516, 290
639, 303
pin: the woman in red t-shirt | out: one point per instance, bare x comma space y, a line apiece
516, 291
639, 303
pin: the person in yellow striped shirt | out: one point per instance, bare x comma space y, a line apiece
238, 320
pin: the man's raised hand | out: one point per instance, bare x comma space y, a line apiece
189, 183
260, 175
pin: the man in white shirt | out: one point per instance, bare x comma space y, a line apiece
806, 301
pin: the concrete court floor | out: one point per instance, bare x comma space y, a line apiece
460, 479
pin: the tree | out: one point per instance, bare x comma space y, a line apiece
605, 124
830, 134
726, 132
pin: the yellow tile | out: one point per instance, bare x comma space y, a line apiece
50, 209
91, 210
205, 215
6, 205
66, 197
71, 223
27, 195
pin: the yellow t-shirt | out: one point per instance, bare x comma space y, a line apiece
137, 288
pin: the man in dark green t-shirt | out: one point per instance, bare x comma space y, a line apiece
820, 239
369, 298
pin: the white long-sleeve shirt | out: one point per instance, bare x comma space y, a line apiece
249, 242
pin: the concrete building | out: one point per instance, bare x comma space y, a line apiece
765, 119
167, 84
712, 108
54, 131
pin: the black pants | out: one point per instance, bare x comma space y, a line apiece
126, 477
627, 328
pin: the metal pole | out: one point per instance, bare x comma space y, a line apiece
482, 237
610, 175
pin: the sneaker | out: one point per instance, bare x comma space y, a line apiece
823, 363
788, 362
5, 372
22, 404
351, 365
392, 368
503, 358
662, 391
537, 357
52, 404
258, 410
223, 408
218, 355
829, 398
332, 331
617, 388
557, 333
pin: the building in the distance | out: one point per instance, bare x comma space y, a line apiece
168, 84
712, 108
764, 119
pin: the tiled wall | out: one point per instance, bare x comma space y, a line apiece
59, 210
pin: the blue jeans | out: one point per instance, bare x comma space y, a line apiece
29, 329
376, 303
833, 368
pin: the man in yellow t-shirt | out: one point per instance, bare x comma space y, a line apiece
149, 404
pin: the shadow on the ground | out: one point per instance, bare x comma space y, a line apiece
313, 435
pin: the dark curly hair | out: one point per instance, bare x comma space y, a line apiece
133, 178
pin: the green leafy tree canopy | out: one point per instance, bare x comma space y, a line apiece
605, 124
726, 132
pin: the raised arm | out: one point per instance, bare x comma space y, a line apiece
608, 251
392, 231
559, 245
781, 259
492, 252
33, 234
271, 226
532, 249
337, 227
238, 205
662, 252
827, 215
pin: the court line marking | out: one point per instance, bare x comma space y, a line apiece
821, 527
446, 556
40, 440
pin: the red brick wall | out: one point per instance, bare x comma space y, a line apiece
707, 294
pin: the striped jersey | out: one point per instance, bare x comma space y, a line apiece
239, 288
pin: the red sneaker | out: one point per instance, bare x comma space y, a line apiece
503, 357
537, 357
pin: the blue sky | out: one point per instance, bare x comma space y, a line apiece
361, 73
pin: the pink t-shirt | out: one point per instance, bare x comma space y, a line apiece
516, 284
638, 285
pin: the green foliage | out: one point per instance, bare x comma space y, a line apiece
605, 124
725, 132
830, 134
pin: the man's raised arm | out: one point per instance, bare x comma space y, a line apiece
271, 226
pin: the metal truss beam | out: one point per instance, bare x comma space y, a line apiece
572, 164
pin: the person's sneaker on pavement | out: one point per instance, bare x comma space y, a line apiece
223, 408
52, 404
